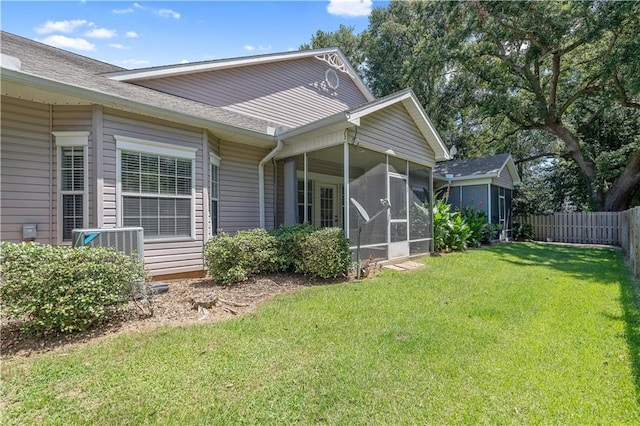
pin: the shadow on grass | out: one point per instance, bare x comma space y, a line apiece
630, 298
602, 264
584, 263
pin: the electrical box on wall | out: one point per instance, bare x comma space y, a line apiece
29, 231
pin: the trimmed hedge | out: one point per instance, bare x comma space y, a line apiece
289, 239
63, 289
302, 248
324, 254
233, 259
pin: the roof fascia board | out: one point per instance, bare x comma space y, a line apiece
467, 177
511, 166
476, 180
404, 96
112, 100
442, 153
168, 70
353, 117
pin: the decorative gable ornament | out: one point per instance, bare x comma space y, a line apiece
335, 61
332, 79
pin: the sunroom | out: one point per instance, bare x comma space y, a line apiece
385, 150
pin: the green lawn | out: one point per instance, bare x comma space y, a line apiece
514, 334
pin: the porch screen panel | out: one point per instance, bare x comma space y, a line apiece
367, 185
420, 227
475, 197
156, 194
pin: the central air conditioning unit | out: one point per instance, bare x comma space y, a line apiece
127, 240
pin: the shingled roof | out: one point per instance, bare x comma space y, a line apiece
71, 69
474, 167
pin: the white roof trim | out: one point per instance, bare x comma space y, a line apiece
180, 69
408, 98
353, 117
511, 166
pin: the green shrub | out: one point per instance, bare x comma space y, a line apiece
522, 231
63, 289
477, 221
450, 230
491, 232
324, 253
288, 240
233, 259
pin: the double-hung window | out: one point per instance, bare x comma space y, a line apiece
156, 188
214, 175
73, 203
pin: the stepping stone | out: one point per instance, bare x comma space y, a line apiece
412, 265
394, 268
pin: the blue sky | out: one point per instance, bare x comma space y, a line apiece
136, 34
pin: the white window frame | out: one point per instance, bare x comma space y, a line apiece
143, 146
69, 140
214, 160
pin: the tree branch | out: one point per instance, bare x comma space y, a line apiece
623, 94
593, 118
586, 89
553, 90
544, 155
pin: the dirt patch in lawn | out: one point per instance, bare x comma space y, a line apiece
172, 308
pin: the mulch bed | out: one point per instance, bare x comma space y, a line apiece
172, 308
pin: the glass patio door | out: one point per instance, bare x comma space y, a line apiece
328, 207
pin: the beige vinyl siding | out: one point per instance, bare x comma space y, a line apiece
504, 179
291, 93
392, 128
25, 168
67, 118
161, 257
239, 187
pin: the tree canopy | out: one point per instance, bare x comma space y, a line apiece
543, 80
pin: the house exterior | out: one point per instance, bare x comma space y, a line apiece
485, 184
186, 150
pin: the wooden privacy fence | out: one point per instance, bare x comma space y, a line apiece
612, 228
573, 227
630, 237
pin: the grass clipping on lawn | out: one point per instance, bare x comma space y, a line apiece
517, 333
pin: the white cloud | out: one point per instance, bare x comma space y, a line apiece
60, 26
122, 11
259, 47
184, 61
134, 62
101, 33
68, 42
168, 13
132, 34
119, 46
350, 8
